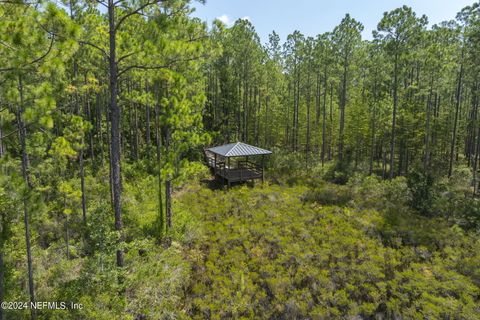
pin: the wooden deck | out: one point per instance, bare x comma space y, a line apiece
236, 175
243, 171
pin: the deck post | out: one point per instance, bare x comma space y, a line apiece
241, 171
215, 165
226, 168
226, 172
263, 170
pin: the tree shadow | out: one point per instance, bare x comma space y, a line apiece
213, 183
219, 184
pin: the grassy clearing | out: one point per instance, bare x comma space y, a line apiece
276, 252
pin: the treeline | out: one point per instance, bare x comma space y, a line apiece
407, 99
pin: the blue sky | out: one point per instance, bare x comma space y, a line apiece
312, 17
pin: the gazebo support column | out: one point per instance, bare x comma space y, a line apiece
263, 169
241, 170
215, 164
228, 179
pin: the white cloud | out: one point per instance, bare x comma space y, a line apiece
225, 19
228, 21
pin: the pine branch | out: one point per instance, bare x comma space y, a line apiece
125, 56
43, 56
134, 12
156, 67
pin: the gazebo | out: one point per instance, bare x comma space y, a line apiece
226, 162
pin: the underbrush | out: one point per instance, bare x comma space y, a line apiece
150, 286
279, 252
299, 247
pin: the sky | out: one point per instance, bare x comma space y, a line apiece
312, 17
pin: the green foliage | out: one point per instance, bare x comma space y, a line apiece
265, 253
156, 280
370, 192
421, 187
340, 172
328, 195
283, 163
453, 199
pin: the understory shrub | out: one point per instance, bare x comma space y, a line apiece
328, 194
266, 253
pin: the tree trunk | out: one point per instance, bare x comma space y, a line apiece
136, 139
343, 102
267, 127
330, 142
317, 111
82, 186
159, 165
239, 109
168, 202
374, 115
99, 128
90, 134
2, 282
168, 183
475, 165
287, 120
2, 241
256, 108
324, 122
251, 113
67, 235
80, 158
1, 145
26, 177
458, 98
294, 107
109, 147
115, 133
147, 118
394, 116
427, 130
245, 104
128, 135
307, 147
297, 111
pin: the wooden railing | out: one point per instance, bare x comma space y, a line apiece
210, 159
250, 166
220, 169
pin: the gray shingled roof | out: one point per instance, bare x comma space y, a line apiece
238, 149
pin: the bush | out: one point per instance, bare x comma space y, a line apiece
329, 194
370, 192
453, 199
282, 163
420, 184
340, 172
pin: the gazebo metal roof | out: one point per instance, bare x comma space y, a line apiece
238, 149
